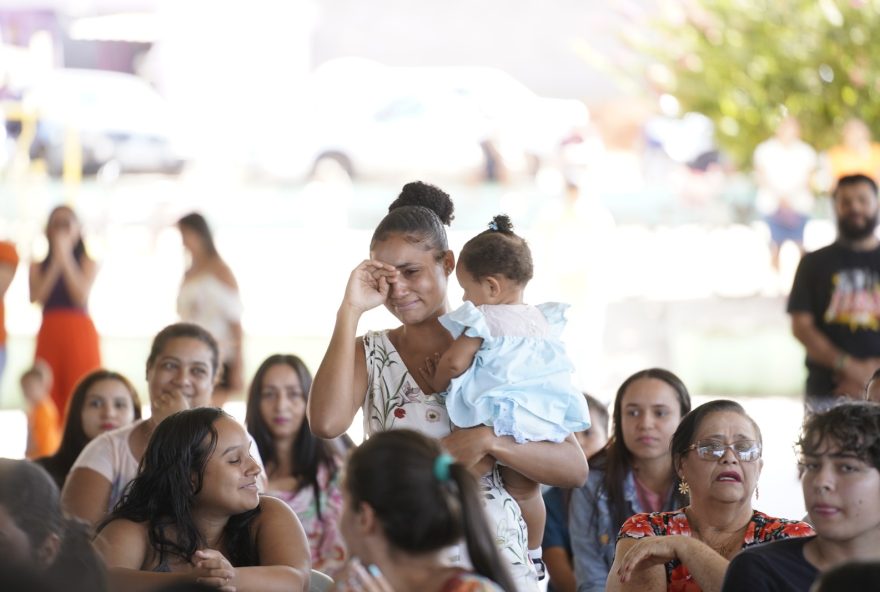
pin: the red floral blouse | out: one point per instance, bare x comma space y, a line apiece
761, 529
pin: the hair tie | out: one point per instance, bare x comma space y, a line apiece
441, 467
493, 225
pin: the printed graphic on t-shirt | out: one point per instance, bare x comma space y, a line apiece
855, 300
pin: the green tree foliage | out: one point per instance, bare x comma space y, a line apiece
745, 63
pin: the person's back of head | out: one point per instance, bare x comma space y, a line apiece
498, 251
60, 546
849, 577
423, 500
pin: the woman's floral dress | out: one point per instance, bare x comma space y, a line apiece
395, 401
761, 529
325, 540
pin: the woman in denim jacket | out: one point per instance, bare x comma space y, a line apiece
631, 474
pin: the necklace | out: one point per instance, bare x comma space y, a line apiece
731, 543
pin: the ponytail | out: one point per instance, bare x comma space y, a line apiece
481, 546
423, 500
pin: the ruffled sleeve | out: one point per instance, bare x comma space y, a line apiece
467, 319
554, 312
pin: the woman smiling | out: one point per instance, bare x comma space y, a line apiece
194, 514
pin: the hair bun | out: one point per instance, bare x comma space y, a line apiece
422, 194
501, 223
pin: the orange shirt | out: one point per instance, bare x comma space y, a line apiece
844, 161
8, 256
44, 433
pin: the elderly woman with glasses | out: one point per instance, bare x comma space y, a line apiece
716, 452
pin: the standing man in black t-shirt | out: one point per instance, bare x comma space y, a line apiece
835, 300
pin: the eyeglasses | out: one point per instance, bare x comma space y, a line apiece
743, 450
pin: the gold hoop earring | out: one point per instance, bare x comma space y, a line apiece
683, 487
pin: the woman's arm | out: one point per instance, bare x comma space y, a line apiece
78, 277
705, 565
124, 546
41, 281
236, 370
559, 464
340, 384
86, 495
283, 550
647, 579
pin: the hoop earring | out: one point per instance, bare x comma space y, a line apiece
683, 487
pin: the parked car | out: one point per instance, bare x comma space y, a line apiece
372, 125
119, 120
376, 121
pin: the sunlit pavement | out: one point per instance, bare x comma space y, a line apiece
696, 298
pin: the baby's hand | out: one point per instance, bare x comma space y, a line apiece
429, 370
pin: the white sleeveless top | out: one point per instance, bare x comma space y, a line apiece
206, 301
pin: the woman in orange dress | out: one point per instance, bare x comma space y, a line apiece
61, 283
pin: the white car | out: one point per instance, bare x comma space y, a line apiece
118, 118
373, 126
376, 121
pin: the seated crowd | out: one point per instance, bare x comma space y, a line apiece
189, 499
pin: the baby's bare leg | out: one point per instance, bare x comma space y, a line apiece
527, 494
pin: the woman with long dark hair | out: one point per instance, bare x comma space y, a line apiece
61, 283
209, 297
181, 371
633, 473
303, 470
194, 514
102, 401
406, 503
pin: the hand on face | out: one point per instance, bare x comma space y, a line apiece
368, 285
181, 377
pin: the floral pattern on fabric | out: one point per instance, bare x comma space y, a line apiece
325, 541
393, 395
761, 529
468, 582
394, 401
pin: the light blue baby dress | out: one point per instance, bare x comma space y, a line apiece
520, 380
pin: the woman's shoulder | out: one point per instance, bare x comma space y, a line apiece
273, 509
124, 529
770, 528
223, 273
655, 524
